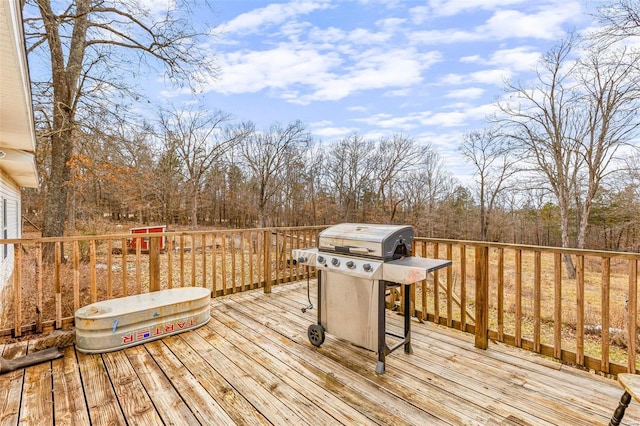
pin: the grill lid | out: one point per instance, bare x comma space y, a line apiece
370, 240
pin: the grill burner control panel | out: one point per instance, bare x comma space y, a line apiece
365, 268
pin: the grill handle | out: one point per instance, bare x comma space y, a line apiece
359, 250
345, 249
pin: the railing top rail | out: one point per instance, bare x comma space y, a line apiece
549, 249
472, 243
120, 236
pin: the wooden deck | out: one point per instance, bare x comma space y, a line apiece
252, 364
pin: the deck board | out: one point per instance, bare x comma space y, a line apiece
134, 401
102, 402
427, 372
497, 384
69, 405
202, 404
11, 385
202, 359
296, 376
167, 401
252, 364
36, 406
394, 386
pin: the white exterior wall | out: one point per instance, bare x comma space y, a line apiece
10, 225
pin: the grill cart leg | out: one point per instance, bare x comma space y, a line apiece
407, 320
382, 331
315, 332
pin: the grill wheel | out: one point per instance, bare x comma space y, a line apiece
315, 332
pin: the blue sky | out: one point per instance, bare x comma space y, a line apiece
430, 69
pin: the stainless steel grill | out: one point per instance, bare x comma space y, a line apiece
356, 264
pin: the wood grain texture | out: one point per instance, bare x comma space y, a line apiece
69, 403
252, 364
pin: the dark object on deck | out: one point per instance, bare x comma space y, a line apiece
58, 338
631, 384
7, 365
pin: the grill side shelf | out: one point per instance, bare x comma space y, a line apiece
409, 270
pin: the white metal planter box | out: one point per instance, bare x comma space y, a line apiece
127, 321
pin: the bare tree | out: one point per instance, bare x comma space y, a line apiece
620, 19
315, 166
111, 169
199, 138
541, 124
167, 183
350, 172
90, 45
494, 165
610, 82
268, 156
571, 125
423, 190
394, 156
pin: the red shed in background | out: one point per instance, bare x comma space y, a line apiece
144, 241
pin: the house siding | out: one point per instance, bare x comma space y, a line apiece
10, 224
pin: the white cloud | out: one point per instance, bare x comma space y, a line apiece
446, 119
494, 77
473, 59
468, 93
374, 69
455, 7
453, 79
364, 37
157, 8
391, 25
251, 71
547, 24
522, 58
447, 36
327, 131
357, 108
398, 93
459, 117
273, 14
433, 68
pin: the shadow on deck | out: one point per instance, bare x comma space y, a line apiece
252, 364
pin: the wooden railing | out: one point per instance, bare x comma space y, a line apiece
518, 295
522, 296
46, 290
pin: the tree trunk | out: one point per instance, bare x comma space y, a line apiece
564, 232
65, 80
194, 208
57, 185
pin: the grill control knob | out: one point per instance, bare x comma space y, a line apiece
302, 260
367, 267
350, 264
335, 261
321, 259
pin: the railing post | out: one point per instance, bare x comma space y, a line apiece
632, 315
154, 264
58, 284
17, 290
267, 260
482, 298
38, 273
